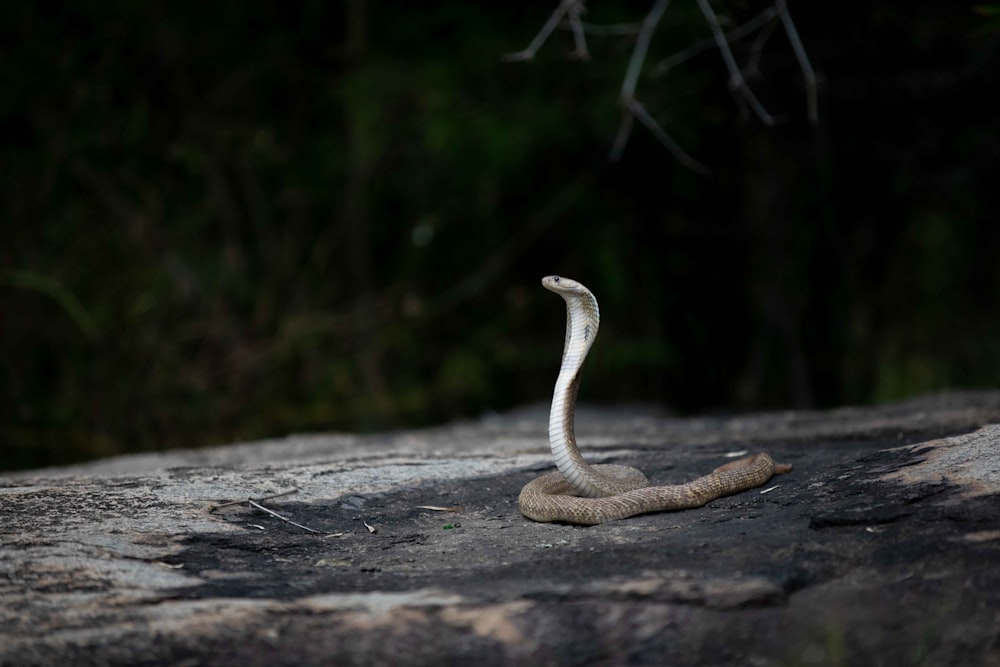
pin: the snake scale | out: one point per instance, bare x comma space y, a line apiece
592, 494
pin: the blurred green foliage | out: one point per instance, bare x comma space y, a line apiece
227, 221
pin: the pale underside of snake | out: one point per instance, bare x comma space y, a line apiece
592, 494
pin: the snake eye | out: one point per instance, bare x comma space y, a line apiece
555, 279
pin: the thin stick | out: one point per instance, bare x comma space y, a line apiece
254, 503
543, 34
739, 32
631, 80
641, 47
579, 39
804, 64
624, 131
640, 112
736, 80
758, 44
240, 502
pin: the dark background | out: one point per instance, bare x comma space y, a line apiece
225, 221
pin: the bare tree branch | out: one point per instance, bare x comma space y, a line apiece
631, 106
762, 19
800, 54
736, 80
641, 47
543, 34
681, 156
757, 46
579, 39
624, 132
632, 109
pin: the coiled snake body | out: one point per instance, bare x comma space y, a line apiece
584, 494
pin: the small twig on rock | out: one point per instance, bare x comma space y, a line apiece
254, 503
438, 508
240, 502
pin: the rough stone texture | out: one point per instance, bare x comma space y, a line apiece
881, 548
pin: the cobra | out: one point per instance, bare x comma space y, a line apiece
587, 494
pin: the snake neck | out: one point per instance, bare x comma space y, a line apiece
582, 322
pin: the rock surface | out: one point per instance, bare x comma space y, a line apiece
881, 547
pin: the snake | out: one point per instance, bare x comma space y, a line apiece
584, 494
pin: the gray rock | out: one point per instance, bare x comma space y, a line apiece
881, 547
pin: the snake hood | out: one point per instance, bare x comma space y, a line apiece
581, 311
571, 290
